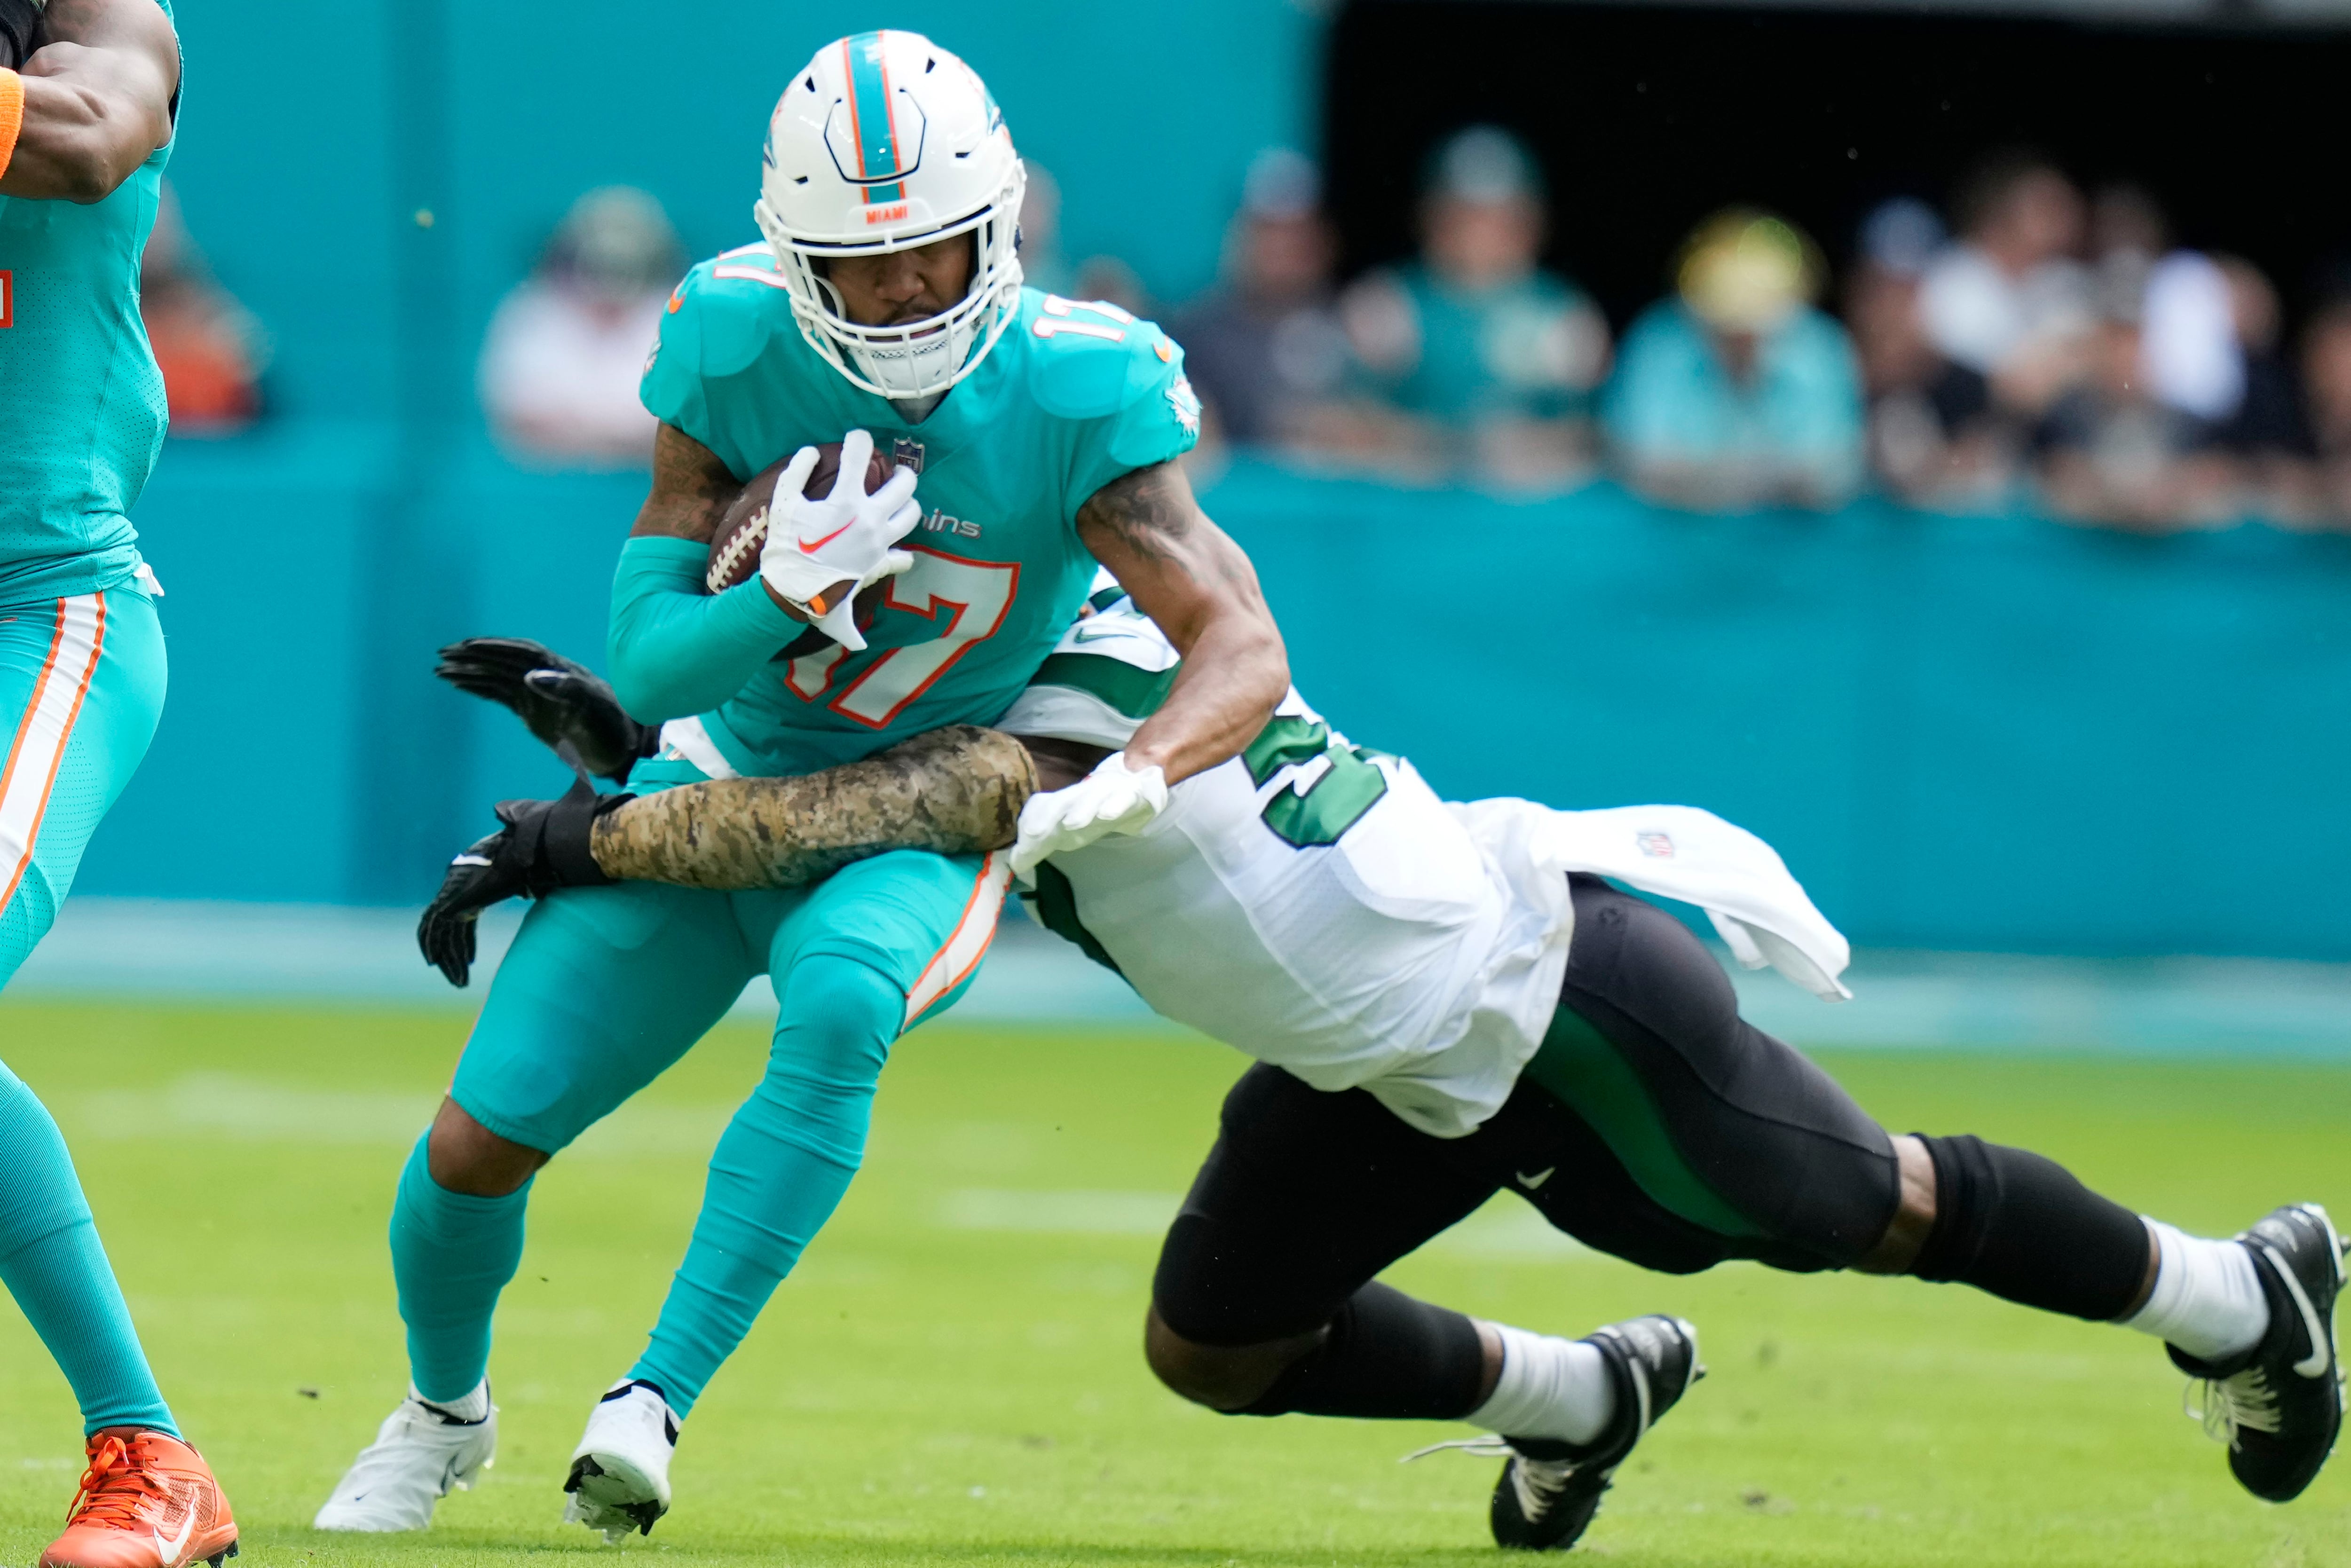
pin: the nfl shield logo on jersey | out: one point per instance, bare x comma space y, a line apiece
1656, 846
905, 452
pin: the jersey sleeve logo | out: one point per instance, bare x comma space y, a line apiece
1185, 403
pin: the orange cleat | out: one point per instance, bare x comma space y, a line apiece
148, 1500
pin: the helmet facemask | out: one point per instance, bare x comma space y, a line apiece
886, 142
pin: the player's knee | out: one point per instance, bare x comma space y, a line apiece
1227, 1379
837, 1017
1913, 1212
462, 1156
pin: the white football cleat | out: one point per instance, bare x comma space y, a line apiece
421, 1454
619, 1471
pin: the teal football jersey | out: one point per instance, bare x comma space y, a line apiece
81, 402
1074, 396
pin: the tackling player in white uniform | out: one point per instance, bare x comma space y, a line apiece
1444, 1000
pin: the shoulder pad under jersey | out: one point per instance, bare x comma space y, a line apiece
1090, 359
738, 303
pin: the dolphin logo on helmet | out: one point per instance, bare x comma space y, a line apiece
883, 142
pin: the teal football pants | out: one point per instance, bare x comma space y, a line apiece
81, 686
605, 988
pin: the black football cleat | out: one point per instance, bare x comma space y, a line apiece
2279, 1405
1550, 1489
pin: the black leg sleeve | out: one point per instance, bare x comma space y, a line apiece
1387, 1356
2021, 1228
1305, 1199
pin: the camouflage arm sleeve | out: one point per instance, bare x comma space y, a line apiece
956, 790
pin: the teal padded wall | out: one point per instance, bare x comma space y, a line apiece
1996, 734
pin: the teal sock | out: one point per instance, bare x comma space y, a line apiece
452, 1253
53, 1264
779, 1169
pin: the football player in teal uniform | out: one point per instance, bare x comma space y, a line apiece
88, 91
1031, 436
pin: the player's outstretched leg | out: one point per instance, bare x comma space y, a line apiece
1264, 1305
1733, 1134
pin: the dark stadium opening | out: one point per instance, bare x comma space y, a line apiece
1647, 118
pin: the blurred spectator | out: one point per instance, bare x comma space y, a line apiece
1738, 393
2010, 301
1933, 439
1044, 264
2114, 452
1041, 264
567, 347
2189, 350
2269, 432
2327, 384
1265, 350
1490, 360
209, 348
1108, 278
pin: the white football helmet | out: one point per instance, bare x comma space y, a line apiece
883, 142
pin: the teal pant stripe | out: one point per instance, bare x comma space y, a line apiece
111, 722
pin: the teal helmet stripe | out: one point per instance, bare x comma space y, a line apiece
872, 115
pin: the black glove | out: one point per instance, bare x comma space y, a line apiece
543, 846
561, 701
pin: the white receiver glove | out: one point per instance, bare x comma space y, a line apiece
1112, 799
844, 538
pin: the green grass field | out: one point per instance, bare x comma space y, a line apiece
954, 1375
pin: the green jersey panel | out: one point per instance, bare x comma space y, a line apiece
81, 402
1072, 397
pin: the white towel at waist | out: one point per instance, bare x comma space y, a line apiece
1681, 853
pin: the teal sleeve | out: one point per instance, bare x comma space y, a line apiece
1153, 416
675, 651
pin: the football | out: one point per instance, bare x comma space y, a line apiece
735, 549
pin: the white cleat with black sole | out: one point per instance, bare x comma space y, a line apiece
421, 1454
619, 1482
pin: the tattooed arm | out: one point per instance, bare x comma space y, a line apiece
1189, 577
956, 790
692, 489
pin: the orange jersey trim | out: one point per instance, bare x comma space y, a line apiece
12, 115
